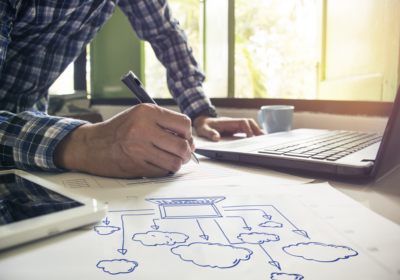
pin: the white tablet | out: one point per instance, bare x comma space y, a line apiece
33, 208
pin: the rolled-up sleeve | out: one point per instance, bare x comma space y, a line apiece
152, 21
28, 139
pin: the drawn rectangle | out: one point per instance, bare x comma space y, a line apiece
190, 211
188, 207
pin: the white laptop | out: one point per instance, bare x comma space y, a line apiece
344, 154
33, 208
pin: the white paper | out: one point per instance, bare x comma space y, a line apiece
194, 175
307, 231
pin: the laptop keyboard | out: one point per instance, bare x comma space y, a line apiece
332, 146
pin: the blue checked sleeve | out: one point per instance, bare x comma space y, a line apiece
5, 29
153, 22
28, 139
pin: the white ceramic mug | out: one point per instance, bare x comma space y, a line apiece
276, 118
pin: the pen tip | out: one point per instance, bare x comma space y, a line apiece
195, 159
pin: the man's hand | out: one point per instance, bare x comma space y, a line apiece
132, 144
212, 128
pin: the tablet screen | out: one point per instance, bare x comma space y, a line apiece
21, 199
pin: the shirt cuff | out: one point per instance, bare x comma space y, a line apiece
28, 139
193, 101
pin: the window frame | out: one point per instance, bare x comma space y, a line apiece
368, 108
80, 72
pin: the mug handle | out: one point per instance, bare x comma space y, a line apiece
260, 118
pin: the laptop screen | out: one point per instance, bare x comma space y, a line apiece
388, 157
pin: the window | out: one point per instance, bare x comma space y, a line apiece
358, 49
270, 50
65, 82
188, 14
275, 49
75, 79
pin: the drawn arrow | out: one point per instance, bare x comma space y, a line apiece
155, 226
122, 250
264, 216
246, 227
272, 262
225, 234
301, 232
204, 236
297, 230
107, 222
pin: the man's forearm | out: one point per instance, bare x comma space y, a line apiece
27, 139
70, 151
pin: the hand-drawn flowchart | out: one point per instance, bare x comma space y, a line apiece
212, 233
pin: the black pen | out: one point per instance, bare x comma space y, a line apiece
134, 84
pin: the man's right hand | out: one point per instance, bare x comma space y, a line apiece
132, 144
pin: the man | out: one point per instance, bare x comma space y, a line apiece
38, 39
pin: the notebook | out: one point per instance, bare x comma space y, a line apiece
347, 154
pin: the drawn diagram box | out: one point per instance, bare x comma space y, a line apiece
75, 184
188, 208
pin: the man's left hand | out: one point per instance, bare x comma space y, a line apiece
212, 128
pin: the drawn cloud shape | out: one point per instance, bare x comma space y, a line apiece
284, 276
271, 224
154, 238
103, 230
319, 252
114, 267
212, 254
257, 237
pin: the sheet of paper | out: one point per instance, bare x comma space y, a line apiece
194, 175
306, 231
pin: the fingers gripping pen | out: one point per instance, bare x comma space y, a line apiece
134, 84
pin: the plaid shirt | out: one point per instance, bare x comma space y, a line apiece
38, 40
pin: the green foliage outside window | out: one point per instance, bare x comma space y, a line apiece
275, 48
